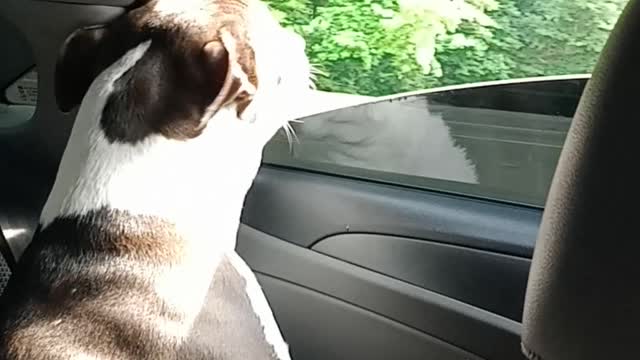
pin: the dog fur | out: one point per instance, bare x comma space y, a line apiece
134, 255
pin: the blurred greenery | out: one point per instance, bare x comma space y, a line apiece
381, 47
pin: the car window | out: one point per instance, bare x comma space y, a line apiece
463, 96
18, 80
497, 141
18, 97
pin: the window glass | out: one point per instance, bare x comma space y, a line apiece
18, 80
18, 97
384, 47
467, 96
494, 141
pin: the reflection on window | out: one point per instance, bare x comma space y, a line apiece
498, 142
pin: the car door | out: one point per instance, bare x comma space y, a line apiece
418, 247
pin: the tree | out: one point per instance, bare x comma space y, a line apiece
379, 47
532, 38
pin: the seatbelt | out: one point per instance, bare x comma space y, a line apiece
7, 262
5, 251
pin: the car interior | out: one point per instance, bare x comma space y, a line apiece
361, 264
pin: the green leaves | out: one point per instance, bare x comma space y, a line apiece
380, 47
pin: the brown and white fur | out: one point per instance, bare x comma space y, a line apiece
178, 98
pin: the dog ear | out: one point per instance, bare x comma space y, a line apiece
77, 66
233, 68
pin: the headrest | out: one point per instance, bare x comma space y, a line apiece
583, 296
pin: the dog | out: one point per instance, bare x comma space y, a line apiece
134, 255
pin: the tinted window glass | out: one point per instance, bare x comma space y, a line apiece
18, 80
494, 141
19, 191
500, 142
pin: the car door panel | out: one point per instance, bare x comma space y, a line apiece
491, 281
305, 207
335, 329
463, 325
452, 268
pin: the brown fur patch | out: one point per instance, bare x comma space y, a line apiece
85, 284
139, 237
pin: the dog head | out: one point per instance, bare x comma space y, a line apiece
199, 57
176, 101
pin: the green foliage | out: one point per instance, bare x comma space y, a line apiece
379, 47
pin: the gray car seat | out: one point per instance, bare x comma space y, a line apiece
582, 299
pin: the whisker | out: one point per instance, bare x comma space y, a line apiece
315, 70
293, 132
286, 130
291, 137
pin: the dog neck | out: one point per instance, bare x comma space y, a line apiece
199, 185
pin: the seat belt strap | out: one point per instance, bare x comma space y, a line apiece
6, 253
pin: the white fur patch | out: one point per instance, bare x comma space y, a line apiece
261, 307
77, 151
193, 11
180, 287
283, 71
